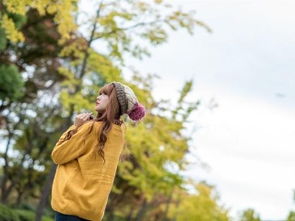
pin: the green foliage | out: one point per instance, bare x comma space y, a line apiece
3, 40
11, 82
10, 28
27, 215
8, 214
250, 215
62, 11
25, 206
291, 216
200, 206
18, 20
10, 23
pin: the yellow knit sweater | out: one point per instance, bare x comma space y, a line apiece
82, 182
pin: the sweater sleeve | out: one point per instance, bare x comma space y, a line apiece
71, 149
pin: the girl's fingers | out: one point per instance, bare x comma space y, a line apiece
86, 116
83, 115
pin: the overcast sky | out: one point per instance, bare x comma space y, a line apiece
247, 66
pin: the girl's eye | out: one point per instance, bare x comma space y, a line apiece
100, 93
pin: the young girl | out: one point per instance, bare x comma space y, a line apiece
87, 155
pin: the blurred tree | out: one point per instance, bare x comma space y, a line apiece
39, 74
291, 216
11, 84
249, 215
201, 205
62, 11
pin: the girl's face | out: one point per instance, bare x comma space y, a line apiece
101, 102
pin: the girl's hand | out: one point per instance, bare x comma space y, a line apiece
82, 118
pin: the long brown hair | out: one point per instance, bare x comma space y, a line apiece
111, 115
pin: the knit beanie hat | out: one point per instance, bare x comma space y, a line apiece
128, 102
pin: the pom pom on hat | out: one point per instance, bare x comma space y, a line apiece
137, 112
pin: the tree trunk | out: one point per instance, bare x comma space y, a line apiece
129, 217
4, 190
5, 168
20, 194
4, 196
110, 214
141, 211
45, 193
167, 206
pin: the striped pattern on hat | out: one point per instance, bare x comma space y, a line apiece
121, 96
